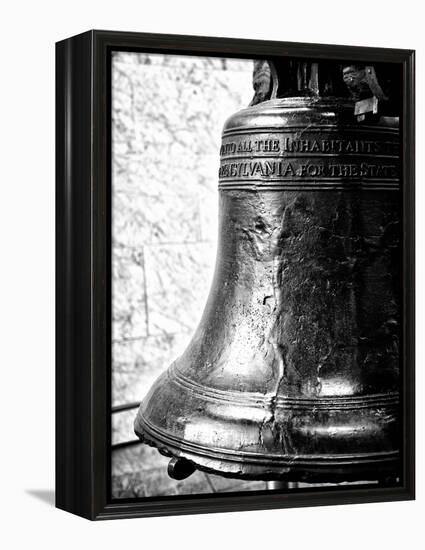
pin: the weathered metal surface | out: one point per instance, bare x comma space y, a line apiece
293, 371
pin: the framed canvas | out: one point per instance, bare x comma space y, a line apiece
235, 274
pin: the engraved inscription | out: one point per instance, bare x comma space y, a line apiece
283, 169
299, 156
298, 145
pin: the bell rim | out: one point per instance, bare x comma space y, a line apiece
372, 466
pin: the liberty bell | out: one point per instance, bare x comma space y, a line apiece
293, 372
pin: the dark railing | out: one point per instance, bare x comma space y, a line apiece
123, 408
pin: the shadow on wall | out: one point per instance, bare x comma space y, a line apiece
45, 495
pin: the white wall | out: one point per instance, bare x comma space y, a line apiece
29, 30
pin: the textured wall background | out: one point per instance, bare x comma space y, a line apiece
168, 113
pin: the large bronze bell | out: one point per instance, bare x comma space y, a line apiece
292, 373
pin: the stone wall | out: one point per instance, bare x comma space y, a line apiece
168, 113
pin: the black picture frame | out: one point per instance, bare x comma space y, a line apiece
83, 275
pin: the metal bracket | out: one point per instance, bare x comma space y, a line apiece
364, 106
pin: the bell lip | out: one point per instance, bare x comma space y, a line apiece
367, 467
252, 461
